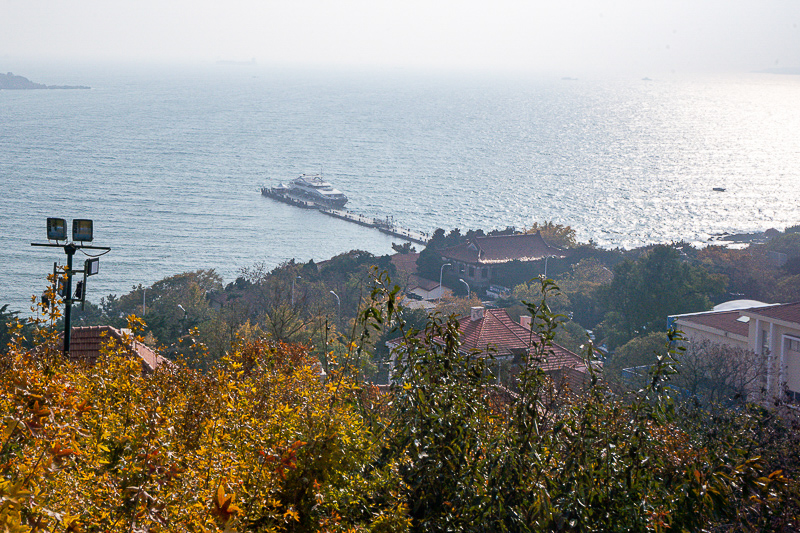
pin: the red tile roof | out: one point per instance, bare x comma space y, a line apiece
422, 283
86, 344
724, 321
405, 262
502, 249
785, 312
497, 333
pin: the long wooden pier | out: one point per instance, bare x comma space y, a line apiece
386, 225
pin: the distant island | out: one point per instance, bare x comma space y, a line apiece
10, 81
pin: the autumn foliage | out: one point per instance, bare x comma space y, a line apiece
264, 440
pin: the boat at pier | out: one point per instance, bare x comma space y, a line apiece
309, 190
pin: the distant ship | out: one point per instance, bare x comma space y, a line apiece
309, 190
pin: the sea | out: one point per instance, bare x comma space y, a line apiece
168, 161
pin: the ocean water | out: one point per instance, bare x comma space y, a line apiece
168, 161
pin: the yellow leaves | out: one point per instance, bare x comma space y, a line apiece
291, 514
72, 524
10, 428
107, 421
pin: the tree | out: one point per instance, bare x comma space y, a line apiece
582, 285
644, 292
641, 352
555, 234
404, 248
6, 318
718, 374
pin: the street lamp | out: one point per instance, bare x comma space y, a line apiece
293, 279
545, 264
82, 231
441, 271
338, 307
465, 283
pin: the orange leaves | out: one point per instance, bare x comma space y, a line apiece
60, 453
224, 508
287, 460
39, 413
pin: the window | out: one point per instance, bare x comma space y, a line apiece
764, 341
484, 273
461, 268
793, 344
471, 271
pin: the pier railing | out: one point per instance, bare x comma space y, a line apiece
386, 226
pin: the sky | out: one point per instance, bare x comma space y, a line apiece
535, 35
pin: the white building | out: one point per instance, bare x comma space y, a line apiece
772, 332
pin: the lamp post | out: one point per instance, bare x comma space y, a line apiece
338, 307
183, 319
82, 231
144, 301
465, 283
545, 264
441, 271
293, 279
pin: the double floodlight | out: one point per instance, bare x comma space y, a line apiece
82, 229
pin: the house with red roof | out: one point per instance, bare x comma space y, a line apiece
420, 291
492, 331
477, 259
772, 332
86, 344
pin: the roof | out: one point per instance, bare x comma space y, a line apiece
86, 344
502, 249
498, 333
721, 320
405, 262
415, 282
783, 312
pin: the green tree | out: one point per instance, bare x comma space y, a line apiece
6, 318
638, 352
644, 292
554, 234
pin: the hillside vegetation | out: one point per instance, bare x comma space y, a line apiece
262, 440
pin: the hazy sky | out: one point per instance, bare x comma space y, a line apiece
561, 35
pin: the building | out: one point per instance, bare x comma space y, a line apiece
86, 345
477, 259
771, 332
420, 292
492, 331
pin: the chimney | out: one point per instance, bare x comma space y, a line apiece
525, 321
476, 313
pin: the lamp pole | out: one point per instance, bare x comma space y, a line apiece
70, 250
545, 264
338, 308
183, 320
441, 271
82, 231
465, 283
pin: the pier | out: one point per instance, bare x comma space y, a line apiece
386, 225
